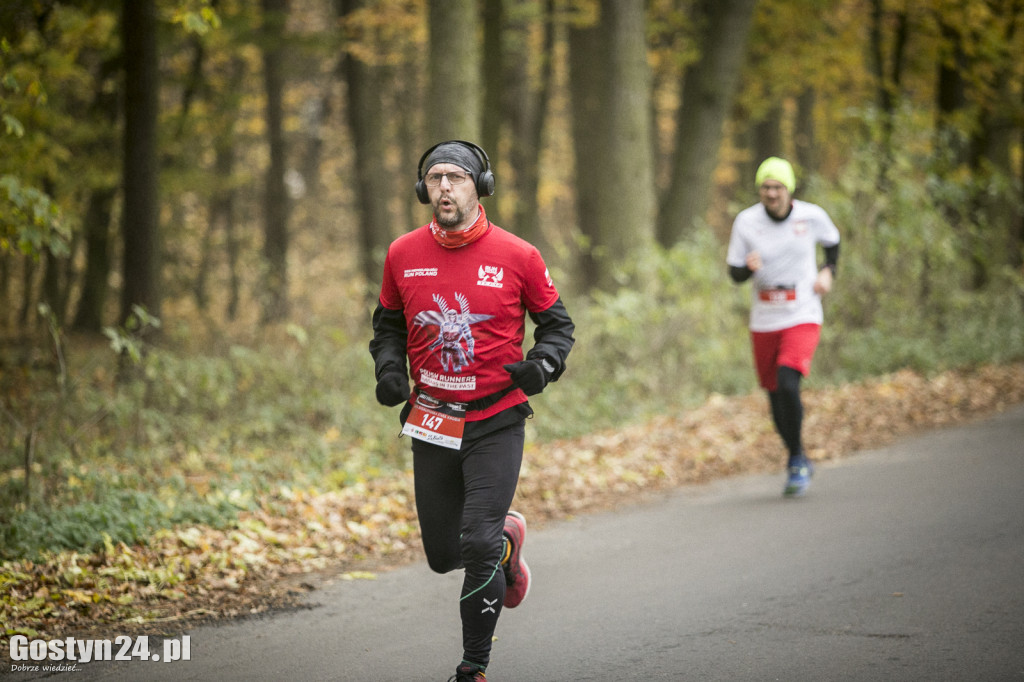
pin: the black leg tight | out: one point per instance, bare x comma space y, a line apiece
462, 497
788, 410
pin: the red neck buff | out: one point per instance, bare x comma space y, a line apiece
453, 240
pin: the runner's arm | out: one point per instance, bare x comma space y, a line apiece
388, 346
740, 274
553, 337
832, 258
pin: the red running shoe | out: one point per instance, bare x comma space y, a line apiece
467, 672
517, 573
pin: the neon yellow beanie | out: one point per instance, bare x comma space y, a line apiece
774, 168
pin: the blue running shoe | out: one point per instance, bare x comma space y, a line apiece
800, 472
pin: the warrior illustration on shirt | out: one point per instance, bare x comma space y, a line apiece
453, 330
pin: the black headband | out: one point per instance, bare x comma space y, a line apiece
458, 154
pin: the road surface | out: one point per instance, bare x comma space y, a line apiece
902, 563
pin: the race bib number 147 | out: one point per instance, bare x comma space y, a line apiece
435, 422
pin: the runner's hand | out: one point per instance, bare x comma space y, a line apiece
529, 375
392, 389
823, 284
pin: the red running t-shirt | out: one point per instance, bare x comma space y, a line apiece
465, 311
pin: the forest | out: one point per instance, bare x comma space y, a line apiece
196, 197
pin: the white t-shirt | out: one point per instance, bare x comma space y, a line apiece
783, 288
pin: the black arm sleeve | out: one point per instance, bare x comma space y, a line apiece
740, 274
388, 345
832, 257
552, 339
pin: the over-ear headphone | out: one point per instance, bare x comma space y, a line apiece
484, 181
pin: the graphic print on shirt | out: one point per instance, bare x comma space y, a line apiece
491, 276
453, 331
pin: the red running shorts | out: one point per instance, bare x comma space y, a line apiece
793, 347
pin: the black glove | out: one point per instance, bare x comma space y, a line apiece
530, 375
392, 389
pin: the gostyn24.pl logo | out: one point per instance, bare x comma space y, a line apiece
40, 655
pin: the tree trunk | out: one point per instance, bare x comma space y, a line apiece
275, 198
527, 105
222, 203
992, 167
1017, 249
805, 147
951, 100
624, 179
764, 139
888, 81
51, 294
453, 100
588, 89
709, 87
220, 212
951, 135
494, 95
98, 219
366, 117
139, 219
408, 88
6, 304
89, 317
768, 137
28, 296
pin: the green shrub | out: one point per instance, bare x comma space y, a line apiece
119, 515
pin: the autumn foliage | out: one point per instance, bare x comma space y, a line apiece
296, 539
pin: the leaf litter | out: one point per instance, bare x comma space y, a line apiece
298, 540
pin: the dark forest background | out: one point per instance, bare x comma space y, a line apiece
196, 197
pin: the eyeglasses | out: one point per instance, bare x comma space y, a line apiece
454, 177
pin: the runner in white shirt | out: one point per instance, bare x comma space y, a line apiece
774, 243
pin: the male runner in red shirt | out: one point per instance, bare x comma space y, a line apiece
454, 299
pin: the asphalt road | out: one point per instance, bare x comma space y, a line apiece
904, 563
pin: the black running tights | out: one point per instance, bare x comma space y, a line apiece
462, 497
788, 410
